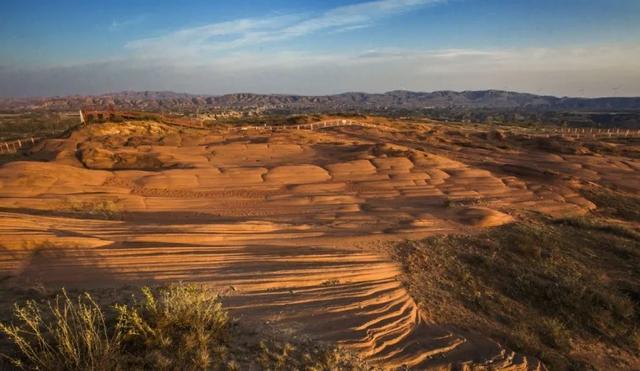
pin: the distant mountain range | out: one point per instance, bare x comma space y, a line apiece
393, 100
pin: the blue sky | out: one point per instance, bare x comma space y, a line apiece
561, 47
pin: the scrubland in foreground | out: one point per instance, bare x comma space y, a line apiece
557, 289
522, 247
181, 327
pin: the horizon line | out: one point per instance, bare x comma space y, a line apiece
313, 95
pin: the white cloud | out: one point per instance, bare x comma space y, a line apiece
235, 34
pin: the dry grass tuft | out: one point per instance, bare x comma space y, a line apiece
63, 335
182, 327
105, 209
276, 355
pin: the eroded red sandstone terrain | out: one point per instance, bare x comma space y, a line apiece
293, 226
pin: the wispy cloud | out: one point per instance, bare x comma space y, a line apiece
354, 15
235, 34
211, 37
120, 24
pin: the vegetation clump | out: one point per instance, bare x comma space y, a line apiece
277, 355
105, 209
182, 327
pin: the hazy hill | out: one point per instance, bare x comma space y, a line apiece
399, 99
